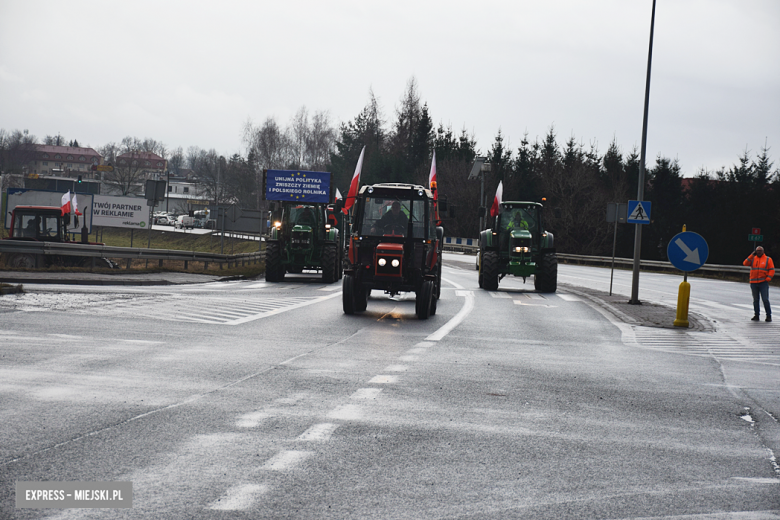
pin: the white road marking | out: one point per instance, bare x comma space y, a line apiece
384, 380
518, 302
499, 294
251, 420
758, 480
366, 393
286, 460
408, 358
569, 297
425, 344
416, 350
318, 432
347, 412
239, 498
284, 309
468, 306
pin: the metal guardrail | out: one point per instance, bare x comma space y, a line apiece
133, 253
465, 245
471, 245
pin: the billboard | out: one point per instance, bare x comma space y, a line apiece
297, 186
121, 212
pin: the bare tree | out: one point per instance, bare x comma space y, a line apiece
129, 172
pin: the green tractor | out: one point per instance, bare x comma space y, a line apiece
302, 238
517, 244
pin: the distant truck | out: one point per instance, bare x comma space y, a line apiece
46, 224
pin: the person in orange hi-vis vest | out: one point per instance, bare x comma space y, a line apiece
762, 269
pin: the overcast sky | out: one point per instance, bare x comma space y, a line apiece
192, 73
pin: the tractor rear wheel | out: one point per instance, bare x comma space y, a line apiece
348, 294
489, 273
21, 261
546, 277
329, 260
424, 300
274, 270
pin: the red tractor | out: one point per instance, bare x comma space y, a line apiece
395, 246
45, 224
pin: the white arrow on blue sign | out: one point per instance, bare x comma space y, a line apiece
687, 251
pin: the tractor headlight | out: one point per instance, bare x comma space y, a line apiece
277, 224
521, 249
327, 227
382, 262
395, 263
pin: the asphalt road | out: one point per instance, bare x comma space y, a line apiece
257, 400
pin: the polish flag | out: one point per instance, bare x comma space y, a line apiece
432, 184
66, 203
497, 200
355, 184
339, 196
76, 205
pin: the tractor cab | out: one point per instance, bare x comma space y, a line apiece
40, 223
518, 226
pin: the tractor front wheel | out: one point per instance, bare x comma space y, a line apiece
546, 277
274, 270
424, 300
489, 272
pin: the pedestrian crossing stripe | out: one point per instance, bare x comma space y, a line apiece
639, 214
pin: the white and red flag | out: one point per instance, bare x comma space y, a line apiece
355, 184
66, 203
497, 200
432, 184
339, 196
76, 205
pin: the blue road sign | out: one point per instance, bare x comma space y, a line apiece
638, 212
301, 186
687, 251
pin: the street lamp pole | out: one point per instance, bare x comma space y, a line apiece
641, 183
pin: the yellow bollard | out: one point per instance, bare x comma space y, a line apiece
683, 298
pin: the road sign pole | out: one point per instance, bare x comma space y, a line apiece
641, 188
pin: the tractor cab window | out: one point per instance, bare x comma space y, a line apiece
36, 226
303, 216
391, 217
519, 218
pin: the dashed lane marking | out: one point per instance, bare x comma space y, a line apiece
239, 498
384, 380
318, 432
286, 460
366, 393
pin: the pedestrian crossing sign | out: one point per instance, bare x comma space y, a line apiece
638, 212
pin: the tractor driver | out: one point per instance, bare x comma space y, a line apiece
394, 220
517, 221
33, 225
306, 217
